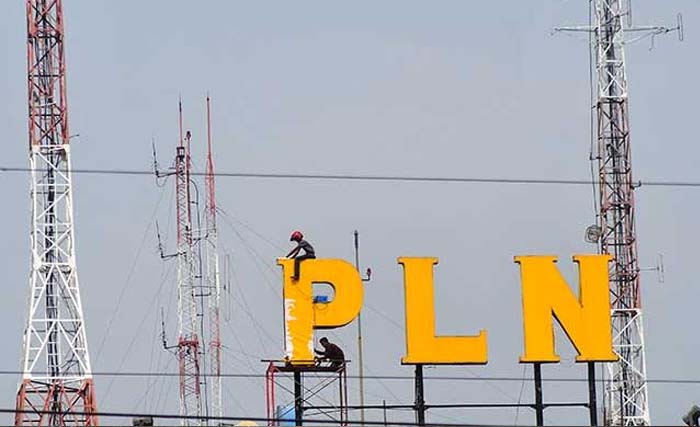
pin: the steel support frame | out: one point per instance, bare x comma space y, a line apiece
539, 402
419, 395
271, 409
592, 395
626, 394
56, 371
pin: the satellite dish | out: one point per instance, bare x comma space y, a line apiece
593, 233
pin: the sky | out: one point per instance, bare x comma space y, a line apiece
455, 89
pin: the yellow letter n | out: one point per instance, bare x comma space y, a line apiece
422, 346
586, 320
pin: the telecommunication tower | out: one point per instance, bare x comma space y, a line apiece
626, 394
57, 387
198, 278
213, 282
188, 344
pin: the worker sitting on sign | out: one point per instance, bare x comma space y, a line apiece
309, 252
331, 353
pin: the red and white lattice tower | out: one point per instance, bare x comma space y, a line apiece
56, 387
626, 395
188, 344
212, 277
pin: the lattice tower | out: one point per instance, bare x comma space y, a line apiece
188, 345
626, 394
57, 387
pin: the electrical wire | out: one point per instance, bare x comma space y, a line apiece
231, 418
258, 259
396, 324
129, 276
388, 178
381, 377
277, 247
233, 399
382, 384
243, 303
520, 397
149, 381
592, 97
252, 230
140, 401
272, 244
139, 328
161, 398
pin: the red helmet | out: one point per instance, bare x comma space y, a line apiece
296, 235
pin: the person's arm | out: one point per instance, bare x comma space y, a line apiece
320, 352
294, 252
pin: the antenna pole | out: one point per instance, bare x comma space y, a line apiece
213, 276
360, 366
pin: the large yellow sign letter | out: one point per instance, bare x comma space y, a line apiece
585, 321
302, 315
422, 346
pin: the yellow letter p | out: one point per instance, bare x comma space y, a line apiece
302, 315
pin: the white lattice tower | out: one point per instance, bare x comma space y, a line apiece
56, 387
188, 345
213, 279
626, 394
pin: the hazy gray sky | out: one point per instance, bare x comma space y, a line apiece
451, 88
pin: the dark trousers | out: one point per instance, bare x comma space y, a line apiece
298, 261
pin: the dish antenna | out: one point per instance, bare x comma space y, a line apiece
593, 233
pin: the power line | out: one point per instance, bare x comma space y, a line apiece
227, 418
379, 178
373, 377
129, 276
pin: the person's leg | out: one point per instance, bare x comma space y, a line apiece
297, 261
297, 264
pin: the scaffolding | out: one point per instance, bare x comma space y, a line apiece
323, 377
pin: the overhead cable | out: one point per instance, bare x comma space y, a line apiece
376, 178
374, 377
228, 418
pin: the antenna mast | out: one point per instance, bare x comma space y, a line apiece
626, 394
188, 340
56, 372
213, 281
360, 355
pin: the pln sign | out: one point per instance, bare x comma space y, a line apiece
545, 297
